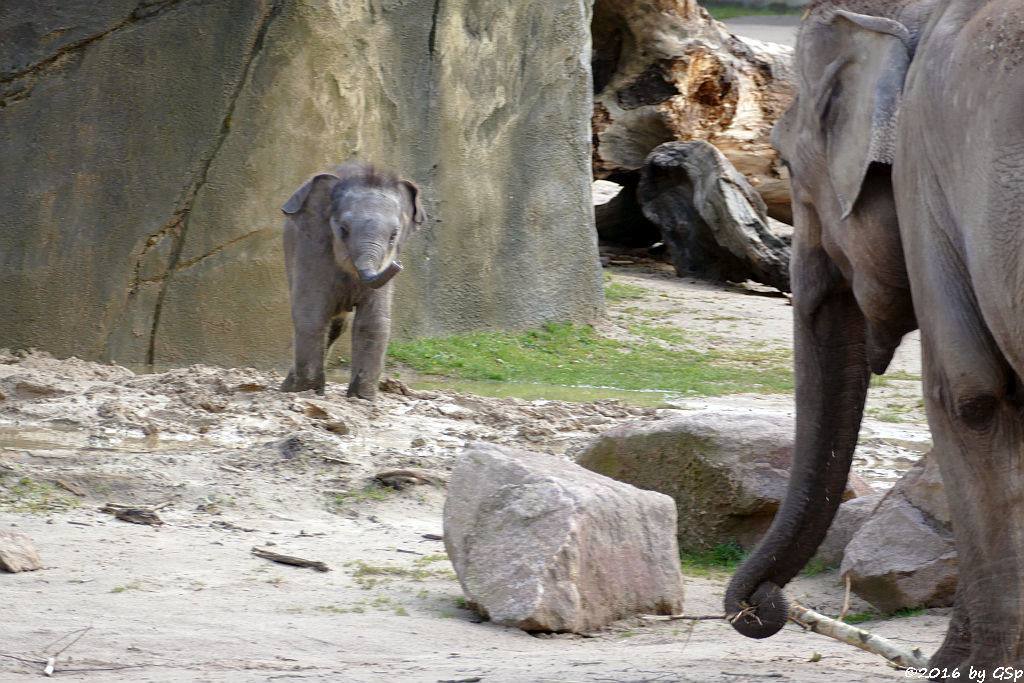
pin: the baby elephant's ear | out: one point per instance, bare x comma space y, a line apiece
414, 195
316, 190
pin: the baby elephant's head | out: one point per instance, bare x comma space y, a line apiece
367, 216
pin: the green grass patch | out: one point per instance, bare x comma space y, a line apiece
25, 494
815, 566
367, 575
620, 291
724, 557
572, 355
341, 502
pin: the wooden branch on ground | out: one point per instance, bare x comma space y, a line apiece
290, 559
896, 654
858, 637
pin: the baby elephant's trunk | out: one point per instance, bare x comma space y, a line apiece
378, 280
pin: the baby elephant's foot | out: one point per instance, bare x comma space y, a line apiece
296, 382
360, 386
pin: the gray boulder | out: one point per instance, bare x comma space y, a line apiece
713, 221
727, 472
544, 545
148, 147
17, 553
848, 520
903, 555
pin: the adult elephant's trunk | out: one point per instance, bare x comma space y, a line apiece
831, 374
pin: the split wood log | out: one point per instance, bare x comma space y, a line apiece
666, 71
290, 559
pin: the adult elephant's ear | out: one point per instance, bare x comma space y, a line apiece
858, 98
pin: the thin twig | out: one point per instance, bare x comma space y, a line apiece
682, 617
846, 600
23, 659
81, 632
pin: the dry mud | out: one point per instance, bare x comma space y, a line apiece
231, 464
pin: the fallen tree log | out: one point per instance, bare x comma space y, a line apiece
712, 221
666, 71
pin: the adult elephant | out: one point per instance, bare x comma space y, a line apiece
906, 149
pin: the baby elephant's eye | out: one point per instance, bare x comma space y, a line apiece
340, 229
394, 236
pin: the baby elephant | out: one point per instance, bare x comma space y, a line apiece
342, 234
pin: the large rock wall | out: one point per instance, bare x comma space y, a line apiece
149, 145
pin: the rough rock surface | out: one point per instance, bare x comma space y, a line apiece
149, 145
713, 222
545, 545
727, 472
666, 71
849, 518
17, 553
903, 555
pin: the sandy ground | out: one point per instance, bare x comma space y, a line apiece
234, 464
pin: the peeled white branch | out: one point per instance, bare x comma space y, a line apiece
819, 623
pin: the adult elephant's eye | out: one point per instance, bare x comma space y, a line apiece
394, 236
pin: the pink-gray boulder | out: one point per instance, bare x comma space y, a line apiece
903, 555
544, 545
17, 553
726, 471
848, 520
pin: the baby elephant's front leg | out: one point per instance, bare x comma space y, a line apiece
308, 370
370, 331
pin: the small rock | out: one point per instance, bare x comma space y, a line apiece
390, 385
339, 427
17, 553
544, 545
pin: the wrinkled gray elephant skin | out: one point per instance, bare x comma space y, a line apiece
906, 149
343, 233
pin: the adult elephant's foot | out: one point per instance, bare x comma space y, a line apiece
956, 648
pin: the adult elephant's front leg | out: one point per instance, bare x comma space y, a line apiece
370, 332
976, 422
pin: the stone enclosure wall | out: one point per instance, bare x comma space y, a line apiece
148, 145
